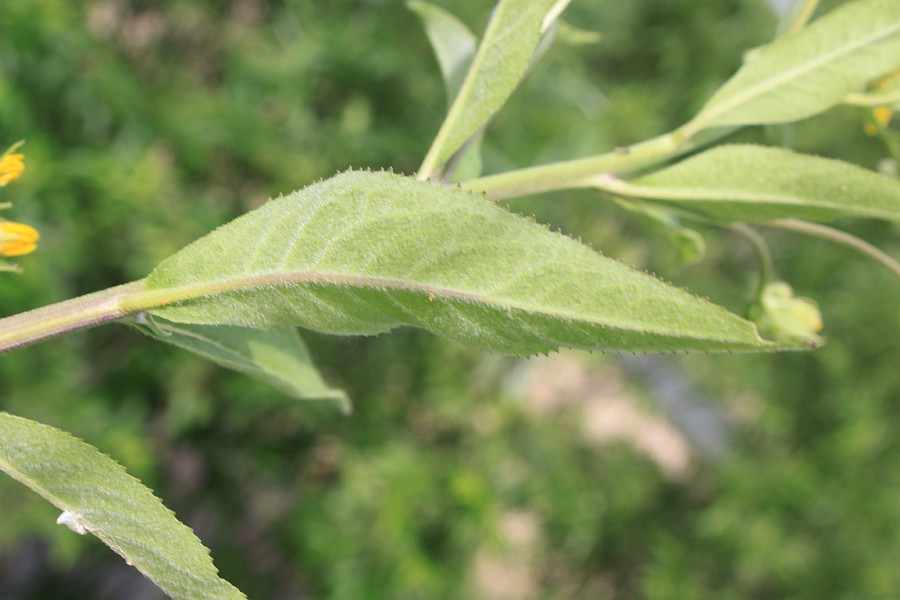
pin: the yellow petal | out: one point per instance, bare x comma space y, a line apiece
16, 248
11, 166
883, 115
17, 239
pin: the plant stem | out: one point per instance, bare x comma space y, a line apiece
576, 173
873, 99
70, 315
101, 307
802, 13
756, 241
841, 237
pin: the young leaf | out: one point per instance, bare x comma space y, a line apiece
363, 253
757, 184
96, 495
454, 46
278, 357
805, 73
502, 58
453, 43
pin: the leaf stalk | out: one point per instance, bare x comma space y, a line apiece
578, 173
840, 237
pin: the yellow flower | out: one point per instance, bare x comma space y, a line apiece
11, 166
881, 115
17, 239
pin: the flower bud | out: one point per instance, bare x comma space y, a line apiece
11, 166
17, 239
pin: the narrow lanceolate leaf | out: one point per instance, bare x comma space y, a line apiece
802, 74
97, 496
757, 183
278, 357
502, 59
363, 253
453, 43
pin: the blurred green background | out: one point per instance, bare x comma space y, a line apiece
459, 474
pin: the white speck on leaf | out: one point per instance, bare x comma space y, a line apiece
73, 521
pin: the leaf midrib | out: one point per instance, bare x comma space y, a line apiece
752, 92
728, 196
162, 297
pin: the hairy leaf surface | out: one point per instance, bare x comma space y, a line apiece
758, 183
802, 74
363, 253
99, 497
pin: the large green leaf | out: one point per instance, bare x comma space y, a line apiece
802, 74
758, 183
278, 357
363, 253
96, 495
502, 59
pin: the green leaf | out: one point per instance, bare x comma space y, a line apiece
502, 59
689, 243
805, 73
453, 43
278, 358
466, 163
362, 253
98, 496
757, 184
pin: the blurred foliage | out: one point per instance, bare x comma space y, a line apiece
147, 124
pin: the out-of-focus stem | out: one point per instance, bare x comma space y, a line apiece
841, 237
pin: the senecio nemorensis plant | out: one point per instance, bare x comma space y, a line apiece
365, 252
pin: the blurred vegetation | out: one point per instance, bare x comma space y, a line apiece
149, 123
